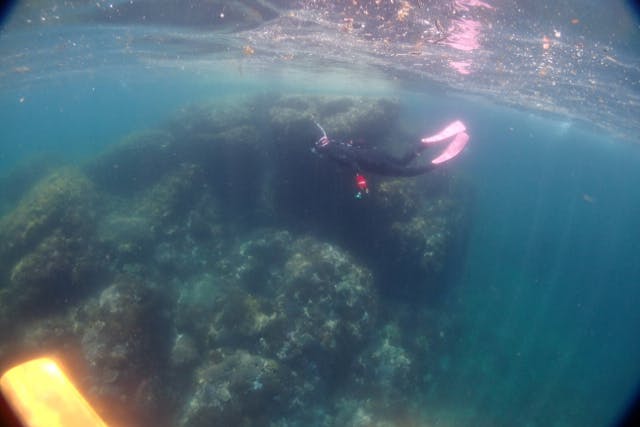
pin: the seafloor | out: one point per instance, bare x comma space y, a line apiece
214, 271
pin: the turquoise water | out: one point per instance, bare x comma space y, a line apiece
535, 320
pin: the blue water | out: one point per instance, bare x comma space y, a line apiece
549, 285
79, 117
545, 292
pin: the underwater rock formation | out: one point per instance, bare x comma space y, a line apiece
308, 311
307, 299
411, 224
253, 156
369, 119
135, 224
423, 218
53, 272
216, 271
389, 369
134, 163
47, 253
236, 389
62, 200
23, 176
123, 355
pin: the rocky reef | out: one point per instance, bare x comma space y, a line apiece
17, 181
215, 271
283, 319
47, 254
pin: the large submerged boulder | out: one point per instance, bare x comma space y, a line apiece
343, 117
124, 340
421, 222
134, 163
135, 224
47, 250
21, 177
237, 388
290, 313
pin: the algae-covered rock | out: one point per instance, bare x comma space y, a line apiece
228, 140
343, 117
116, 344
397, 198
221, 138
127, 236
57, 270
302, 303
241, 318
64, 200
135, 224
387, 367
258, 260
332, 299
309, 300
21, 177
29, 339
419, 221
184, 352
237, 389
124, 338
200, 121
47, 249
171, 196
209, 316
367, 412
134, 163
427, 236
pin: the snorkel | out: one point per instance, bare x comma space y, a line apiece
324, 140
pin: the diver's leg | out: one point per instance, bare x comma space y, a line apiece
451, 150
414, 152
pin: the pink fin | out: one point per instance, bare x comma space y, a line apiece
453, 149
451, 130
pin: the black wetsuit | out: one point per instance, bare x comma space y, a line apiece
370, 159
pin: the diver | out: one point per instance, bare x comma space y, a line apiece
364, 159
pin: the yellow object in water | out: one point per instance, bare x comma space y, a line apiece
41, 395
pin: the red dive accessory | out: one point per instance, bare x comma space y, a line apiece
361, 184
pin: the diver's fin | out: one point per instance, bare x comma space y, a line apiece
452, 129
453, 149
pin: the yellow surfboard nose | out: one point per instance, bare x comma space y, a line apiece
40, 395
